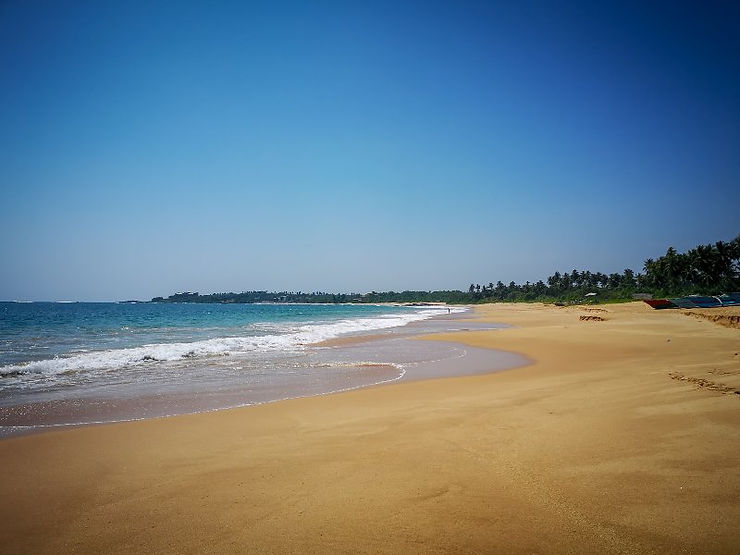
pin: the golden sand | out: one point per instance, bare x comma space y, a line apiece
623, 436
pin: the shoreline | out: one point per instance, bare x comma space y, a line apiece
603, 444
351, 361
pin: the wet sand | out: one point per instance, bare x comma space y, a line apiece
338, 365
623, 436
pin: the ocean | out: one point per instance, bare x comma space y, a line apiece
78, 363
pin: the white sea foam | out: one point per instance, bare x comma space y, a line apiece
282, 338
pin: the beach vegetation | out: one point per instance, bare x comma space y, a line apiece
706, 269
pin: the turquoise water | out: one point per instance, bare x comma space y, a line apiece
66, 363
32, 332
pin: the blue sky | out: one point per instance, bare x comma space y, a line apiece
150, 147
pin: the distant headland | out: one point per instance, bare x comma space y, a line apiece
706, 269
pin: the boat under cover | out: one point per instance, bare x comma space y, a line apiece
696, 301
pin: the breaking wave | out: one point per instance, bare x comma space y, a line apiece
281, 338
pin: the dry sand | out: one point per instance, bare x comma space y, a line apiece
623, 436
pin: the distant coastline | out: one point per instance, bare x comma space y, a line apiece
709, 269
412, 298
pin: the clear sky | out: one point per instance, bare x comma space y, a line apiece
151, 147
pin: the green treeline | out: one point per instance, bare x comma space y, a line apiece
452, 297
705, 269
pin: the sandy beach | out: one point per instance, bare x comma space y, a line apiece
622, 436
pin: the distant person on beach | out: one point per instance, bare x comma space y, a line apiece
448, 310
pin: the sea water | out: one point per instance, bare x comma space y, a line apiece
74, 363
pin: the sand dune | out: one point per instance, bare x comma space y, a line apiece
725, 316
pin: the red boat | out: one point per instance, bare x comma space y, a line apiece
660, 303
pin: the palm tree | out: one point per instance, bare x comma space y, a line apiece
565, 281
652, 275
724, 261
629, 278
672, 267
702, 260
